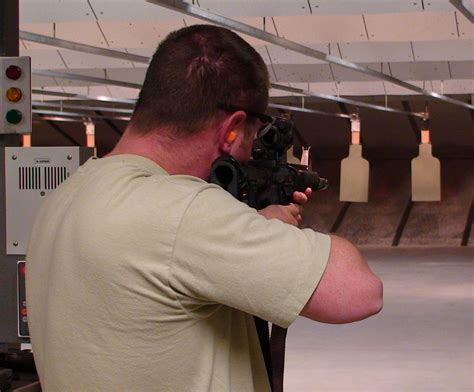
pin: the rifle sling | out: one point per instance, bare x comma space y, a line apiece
273, 350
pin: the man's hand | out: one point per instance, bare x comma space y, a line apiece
290, 213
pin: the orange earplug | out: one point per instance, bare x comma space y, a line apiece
231, 136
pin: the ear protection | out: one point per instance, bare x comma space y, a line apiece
231, 136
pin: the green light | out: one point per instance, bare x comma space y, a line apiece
13, 116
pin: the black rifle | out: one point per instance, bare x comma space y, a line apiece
267, 179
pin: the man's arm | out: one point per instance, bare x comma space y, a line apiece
348, 290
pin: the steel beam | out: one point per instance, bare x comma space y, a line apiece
74, 114
188, 9
72, 96
84, 78
305, 110
80, 107
344, 100
78, 47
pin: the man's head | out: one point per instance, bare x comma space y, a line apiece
198, 75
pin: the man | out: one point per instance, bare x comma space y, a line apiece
142, 276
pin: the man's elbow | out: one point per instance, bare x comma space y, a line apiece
375, 305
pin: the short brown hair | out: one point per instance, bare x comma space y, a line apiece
194, 71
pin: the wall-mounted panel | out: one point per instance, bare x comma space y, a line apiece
83, 32
426, 70
320, 29
364, 6
235, 8
457, 50
420, 26
79, 60
366, 52
54, 11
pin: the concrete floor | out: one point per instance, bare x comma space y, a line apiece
423, 340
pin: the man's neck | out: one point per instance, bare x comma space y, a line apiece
189, 155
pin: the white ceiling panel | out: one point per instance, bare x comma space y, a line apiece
364, 6
88, 90
260, 24
123, 92
125, 10
54, 11
280, 55
346, 74
456, 50
329, 88
438, 5
421, 26
361, 88
365, 52
321, 29
138, 34
393, 89
83, 32
75, 59
38, 28
462, 69
40, 81
429, 70
131, 75
236, 8
302, 72
43, 58
454, 86
466, 28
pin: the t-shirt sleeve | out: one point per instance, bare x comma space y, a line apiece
227, 253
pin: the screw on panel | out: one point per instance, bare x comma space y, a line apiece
42, 193
15, 243
69, 157
14, 157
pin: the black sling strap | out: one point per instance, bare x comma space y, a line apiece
273, 350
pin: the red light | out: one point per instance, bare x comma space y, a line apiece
23, 269
13, 72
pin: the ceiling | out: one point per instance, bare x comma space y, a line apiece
427, 43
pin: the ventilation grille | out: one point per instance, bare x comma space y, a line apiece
41, 177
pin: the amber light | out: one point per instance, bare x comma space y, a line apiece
14, 94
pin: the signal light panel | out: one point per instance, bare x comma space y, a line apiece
15, 98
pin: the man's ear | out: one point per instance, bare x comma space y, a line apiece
231, 130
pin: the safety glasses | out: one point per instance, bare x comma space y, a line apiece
266, 120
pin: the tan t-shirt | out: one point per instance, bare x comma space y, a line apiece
142, 281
